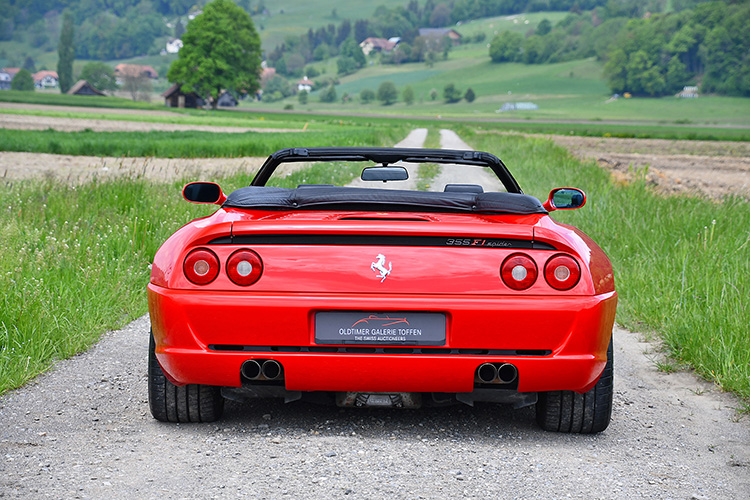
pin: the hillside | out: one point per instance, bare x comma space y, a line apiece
109, 30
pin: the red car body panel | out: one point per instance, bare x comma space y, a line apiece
556, 339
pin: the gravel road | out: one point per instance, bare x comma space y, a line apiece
83, 430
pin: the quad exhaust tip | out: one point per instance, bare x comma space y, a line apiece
261, 369
497, 373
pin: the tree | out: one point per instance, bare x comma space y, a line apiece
350, 48
29, 64
451, 93
221, 51
440, 15
277, 88
506, 47
66, 53
469, 95
543, 27
100, 75
387, 93
302, 97
329, 94
408, 95
615, 71
367, 96
22, 81
346, 65
136, 83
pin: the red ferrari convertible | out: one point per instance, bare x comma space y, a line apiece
373, 295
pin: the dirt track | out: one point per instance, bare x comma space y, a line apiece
712, 168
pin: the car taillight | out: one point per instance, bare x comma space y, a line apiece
518, 271
244, 267
201, 266
562, 272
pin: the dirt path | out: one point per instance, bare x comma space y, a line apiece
65, 124
462, 174
415, 139
711, 168
78, 169
83, 430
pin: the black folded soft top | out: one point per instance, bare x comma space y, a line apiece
258, 196
348, 198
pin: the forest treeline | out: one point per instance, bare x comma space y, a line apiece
653, 54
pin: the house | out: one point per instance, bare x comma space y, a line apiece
438, 33
305, 84
122, 70
174, 45
688, 92
5, 80
175, 98
11, 72
227, 100
82, 87
377, 44
45, 79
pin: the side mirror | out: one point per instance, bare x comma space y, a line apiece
384, 174
565, 199
204, 192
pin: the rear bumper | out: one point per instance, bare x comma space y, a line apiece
572, 333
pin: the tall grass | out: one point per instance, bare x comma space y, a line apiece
186, 144
682, 264
75, 260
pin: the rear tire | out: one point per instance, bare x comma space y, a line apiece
587, 413
186, 403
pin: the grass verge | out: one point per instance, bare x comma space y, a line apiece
682, 264
76, 259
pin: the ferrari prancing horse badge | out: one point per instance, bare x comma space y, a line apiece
379, 267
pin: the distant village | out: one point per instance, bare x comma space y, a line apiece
175, 97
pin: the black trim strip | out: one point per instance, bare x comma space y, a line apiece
379, 350
379, 240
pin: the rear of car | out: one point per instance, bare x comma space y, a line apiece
381, 308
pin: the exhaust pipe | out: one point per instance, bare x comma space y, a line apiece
486, 373
271, 369
250, 369
507, 373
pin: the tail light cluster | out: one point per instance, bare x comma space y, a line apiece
243, 267
519, 271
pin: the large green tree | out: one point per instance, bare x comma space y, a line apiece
221, 51
66, 53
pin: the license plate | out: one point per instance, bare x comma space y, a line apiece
391, 328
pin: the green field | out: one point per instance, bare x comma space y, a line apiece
569, 91
294, 17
